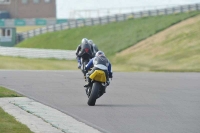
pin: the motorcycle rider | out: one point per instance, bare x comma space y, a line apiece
99, 62
94, 47
83, 50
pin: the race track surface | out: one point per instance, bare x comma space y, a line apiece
133, 103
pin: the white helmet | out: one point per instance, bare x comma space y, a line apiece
84, 41
90, 42
99, 53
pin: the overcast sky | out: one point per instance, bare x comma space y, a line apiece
66, 8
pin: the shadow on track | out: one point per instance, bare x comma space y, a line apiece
125, 105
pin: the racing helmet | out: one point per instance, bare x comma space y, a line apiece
99, 53
90, 42
84, 41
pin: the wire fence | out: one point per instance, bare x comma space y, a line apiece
105, 20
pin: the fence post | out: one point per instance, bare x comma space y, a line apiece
133, 14
108, 19
76, 23
92, 21
27, 34
100, 21
47, 28
196, 7
18, 38
181, 9
189, 8
157, 12
33, 33
61, 26
68, 23
124, 16
54, 27
141, 14
173, 10
116, 17
149, 13
84, 23
166, 11
40, 31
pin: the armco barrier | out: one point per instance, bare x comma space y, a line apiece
38, 53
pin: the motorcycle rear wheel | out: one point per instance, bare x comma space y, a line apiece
94, 94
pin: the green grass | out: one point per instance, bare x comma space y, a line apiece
178, 51
111, 38
8, 123
8, 93
36, 64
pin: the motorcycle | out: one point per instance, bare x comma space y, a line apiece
84, 62
97, 86
85, 58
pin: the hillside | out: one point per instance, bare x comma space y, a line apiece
174, 49
162, 43
111, 38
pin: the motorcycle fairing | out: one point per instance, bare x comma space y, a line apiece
98, 75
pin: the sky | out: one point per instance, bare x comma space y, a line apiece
90, 8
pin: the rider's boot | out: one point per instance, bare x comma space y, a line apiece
87, 84
79, 65
107, 84
79, 62
88, 81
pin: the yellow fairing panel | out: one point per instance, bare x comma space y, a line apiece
98, 75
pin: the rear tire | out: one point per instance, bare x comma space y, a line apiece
94, 94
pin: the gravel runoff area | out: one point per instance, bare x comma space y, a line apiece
40, 118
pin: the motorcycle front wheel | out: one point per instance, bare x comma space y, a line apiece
84, 63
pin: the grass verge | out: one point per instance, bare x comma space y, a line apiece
175, 49
8, 123
18, 63
8, 93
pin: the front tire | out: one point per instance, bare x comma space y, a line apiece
94, 94
83, 67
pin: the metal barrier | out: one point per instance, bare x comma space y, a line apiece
37, 53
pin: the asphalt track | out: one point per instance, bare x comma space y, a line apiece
133, 103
